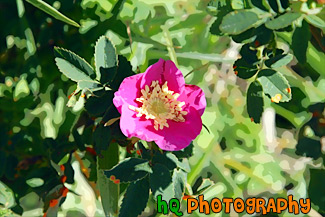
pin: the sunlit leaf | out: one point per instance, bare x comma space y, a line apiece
279, 60
179, 181
105, 58
7, 197
315, 21
282, 21
275, 85
238, 21
52, 11
75, 60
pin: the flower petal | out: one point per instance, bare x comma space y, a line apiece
193, 96
132, 126
128, 91
180, 134
164, 71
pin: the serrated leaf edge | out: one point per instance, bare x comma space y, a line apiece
98, 75
69, 51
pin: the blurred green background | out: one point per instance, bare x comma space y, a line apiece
283, 155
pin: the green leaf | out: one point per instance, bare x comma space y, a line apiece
70, 70
130, 170
99, 103
75, 60
263, 36
109, 191
124, 70
237, 4
245, 37
300, 39
275, 85
279, 60
249, 54
204, 56
6, 196
219, 9
315, 21
238, 21
167, 159
316, 188
3, 160
161, 182
52, 11
255, 101
261, 4
185, 153
206, 183
179, 181
282, 21
89, 85
309, 147
105, 58
35, 182
21, 89
135, 199
102, 137
244, 70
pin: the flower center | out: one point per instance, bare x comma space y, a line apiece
160, 105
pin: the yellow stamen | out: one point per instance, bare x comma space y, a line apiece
159, 104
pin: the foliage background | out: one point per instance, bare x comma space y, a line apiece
234, 157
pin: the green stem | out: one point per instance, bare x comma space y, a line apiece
170, 46
109, 191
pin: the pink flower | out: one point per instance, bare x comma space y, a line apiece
158, 106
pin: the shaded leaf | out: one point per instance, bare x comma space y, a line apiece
3, 160
135, 199
255, 101
248, 54
309, 147
161, 182
98, 104
282, 21
260, 4
299, 43
238, 21
263, 36
245, 37
316, 189
130, 169
124, 70
167, 159
220, 9
244, 70
185, 153
102, 137
275, 85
